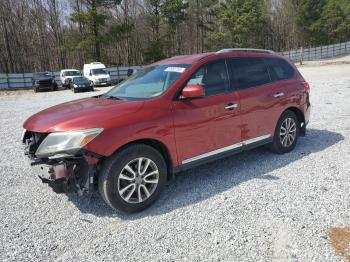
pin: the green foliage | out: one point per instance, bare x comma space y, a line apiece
94, 21
335, 21
173, 12
241, 23
309, 15
154, 51
324, 21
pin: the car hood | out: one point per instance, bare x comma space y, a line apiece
81, 114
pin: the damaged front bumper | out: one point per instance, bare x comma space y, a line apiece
64, 174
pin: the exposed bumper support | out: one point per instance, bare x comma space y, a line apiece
66, 173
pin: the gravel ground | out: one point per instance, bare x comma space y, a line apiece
255, 206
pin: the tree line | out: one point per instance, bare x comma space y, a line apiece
40, 35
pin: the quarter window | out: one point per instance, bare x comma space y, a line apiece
280, 69
213, 77
249, 72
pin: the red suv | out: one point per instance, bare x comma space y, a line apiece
172, 115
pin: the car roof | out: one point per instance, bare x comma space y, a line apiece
182, 59
191, 59
64, 70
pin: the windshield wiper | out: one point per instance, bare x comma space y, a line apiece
111, 97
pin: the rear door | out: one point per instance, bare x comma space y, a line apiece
210, 125
261, 99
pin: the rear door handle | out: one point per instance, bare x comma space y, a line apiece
278, 94
231, 106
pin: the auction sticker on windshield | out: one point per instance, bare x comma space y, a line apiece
175, 69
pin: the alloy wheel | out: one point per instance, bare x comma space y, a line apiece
288, 132
138, 180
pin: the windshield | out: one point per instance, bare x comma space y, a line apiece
71, 73
149, 82
98, 71
43, 75
80, 79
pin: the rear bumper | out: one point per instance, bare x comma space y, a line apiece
307, 112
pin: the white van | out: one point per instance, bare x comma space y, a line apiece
66, 76
97, 74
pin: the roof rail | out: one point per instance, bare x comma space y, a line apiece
245, 50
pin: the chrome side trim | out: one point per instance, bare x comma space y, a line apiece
227, 148
257, 139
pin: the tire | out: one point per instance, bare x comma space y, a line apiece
284, 143
115, 188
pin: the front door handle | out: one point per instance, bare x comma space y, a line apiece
278, 94
231, 106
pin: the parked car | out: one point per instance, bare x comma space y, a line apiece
172, 115
97, 74
66, 76
44, 81
81, 84
131, 71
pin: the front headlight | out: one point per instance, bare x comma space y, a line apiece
66, 143
75, 85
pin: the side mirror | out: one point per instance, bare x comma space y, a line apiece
193, 91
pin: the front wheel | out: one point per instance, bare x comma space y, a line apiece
286, 133
132, 179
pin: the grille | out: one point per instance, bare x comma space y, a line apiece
46, 82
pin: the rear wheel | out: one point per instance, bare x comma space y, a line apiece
132, 179
286, 133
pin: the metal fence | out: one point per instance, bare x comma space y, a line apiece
316, 53
25, 80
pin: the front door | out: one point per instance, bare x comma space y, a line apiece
210, 125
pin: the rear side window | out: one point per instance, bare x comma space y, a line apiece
213, 77
280, 69
249, 72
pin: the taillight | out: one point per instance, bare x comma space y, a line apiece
306, 85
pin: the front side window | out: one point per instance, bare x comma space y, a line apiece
149, 82
213, 77
249, 72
